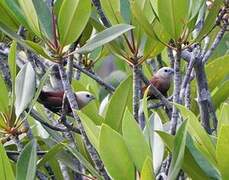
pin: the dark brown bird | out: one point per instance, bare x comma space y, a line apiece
53, 100
161, 80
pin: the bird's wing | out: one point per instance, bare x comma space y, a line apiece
51, 100
156, 81
161, 84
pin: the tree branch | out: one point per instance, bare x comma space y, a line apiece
74, 107
101, 13
95, 77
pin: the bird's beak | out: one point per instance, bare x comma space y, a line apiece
93, 97
172, 72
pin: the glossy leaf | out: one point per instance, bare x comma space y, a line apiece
223, 116
7, 17
17, 11
221, 94
217, 67
4, 98
112, 10
44, 17
173, 15
135, 141
12, 62
194, 7
30, 14
209, 22
72, 19
203, 162
117, 160
50, 154
5, 166
189, 164
147, 170
142, 20
86, 164
203, 141
24, 88
115, 110
156, 143
178, 151
222, 150
104, 37
152, 47
28, 45
26, 165
38, 49
91, 129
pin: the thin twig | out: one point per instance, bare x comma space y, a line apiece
176, 91
101, 13
37, 117
136, 91
215, 43
95, 77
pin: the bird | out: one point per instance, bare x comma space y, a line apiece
161, 80
52, 100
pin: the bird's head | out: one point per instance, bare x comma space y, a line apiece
165, 72
83, 98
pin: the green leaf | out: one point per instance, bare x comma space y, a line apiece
24, 88
5, 167
116, 109
202, 139
125, 10
30, 14
13, 67
38, 90
104, 37
91, 129
178, 151
12, 62
204, 164
112, 10
221, 94
27, 44
26, 165
217, 67
72, 19
142, 20
7, 17
173, 15
38, 49
86, 164
209, 22
157, 146
17, 11
147, 170
194, 7
222, 151
223, 116
116, 160
4, 98
189, 164
50, 154
152, 47
44, 17
135, 141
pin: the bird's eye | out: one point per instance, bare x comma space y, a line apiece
88, 95
166, 70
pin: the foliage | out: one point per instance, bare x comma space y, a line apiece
37, 37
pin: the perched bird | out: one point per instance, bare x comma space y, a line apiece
53, 100
161, 80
